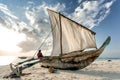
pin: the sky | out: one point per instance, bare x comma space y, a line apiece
24, 24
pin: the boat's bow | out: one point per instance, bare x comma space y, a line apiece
75, 60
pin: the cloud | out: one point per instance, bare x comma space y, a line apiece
6, 11
12, 22
40, 26
38, 16
8, 19
108, 5
79, 1
32, 13
88, 13
91, 13
2, 21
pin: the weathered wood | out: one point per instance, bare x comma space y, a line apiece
74, 60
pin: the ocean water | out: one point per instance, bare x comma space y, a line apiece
6, 60
108, 59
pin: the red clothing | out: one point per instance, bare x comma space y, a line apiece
39, 55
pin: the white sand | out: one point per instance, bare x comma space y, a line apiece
99, 70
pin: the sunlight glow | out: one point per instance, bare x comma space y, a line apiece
10, 39
5, 60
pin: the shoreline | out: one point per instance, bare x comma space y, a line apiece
14, 58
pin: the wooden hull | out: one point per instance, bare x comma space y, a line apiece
74, 60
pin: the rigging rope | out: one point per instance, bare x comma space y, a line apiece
46, 37
42, 43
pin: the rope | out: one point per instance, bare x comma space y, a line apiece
42, 43
46, 37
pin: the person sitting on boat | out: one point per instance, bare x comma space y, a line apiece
39, 55
17, 69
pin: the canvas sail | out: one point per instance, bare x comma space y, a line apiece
69, 36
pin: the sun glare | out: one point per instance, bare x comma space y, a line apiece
9, 40
5, 60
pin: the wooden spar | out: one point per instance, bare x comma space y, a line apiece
79, 24
73, 21
60, 36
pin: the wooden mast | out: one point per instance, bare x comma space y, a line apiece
60, 35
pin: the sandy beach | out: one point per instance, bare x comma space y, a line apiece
98, 70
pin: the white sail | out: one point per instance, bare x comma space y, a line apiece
68, 35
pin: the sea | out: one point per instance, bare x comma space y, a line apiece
6, 60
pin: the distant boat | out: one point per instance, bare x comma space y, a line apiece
70, 41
